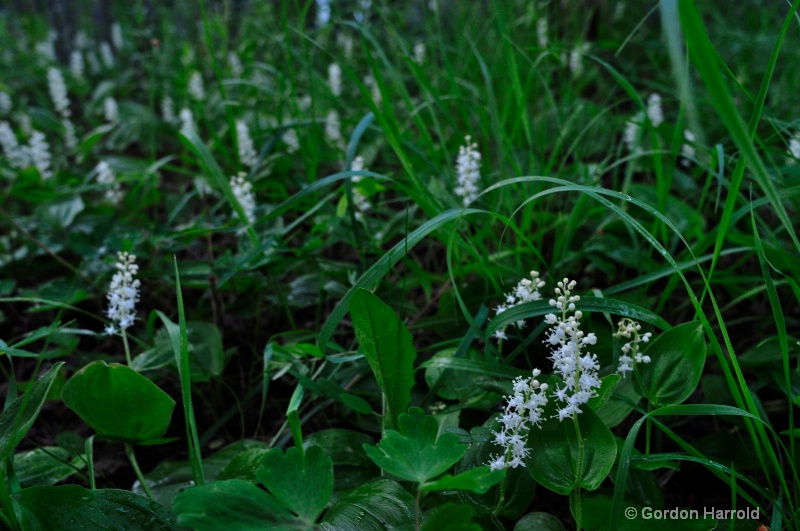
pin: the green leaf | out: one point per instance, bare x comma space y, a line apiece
413, 453
377, 506
18, 417
302, 481
677, 359
74, 507
118, 402
450, 517
233, 505
46, 466
389, 350
607, 386
477, 480
539, 522
245, 465
556, 459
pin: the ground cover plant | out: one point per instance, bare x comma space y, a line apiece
399, 265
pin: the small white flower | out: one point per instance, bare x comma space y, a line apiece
541, 32
688, 150
39, 151
123, 292
654, 111
289, 138
630, 357
335, 78
576, 58
70, 138
794, 146
107, 178
167, 110
116, 36
18, 156
110, 109
333, 129
633, 133
187, 121
419, 53
468, 168
247, 153
76, 64
323, 13
107, 55
375, 90
195, 88
243, 190
58, 91
500, 335
360, 201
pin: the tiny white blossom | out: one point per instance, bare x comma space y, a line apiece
291, 140
629, 329
123, 292
76, 64
18, 156
247, 153
360, 201
541, 32
335, 78
110, 109
654, 112
167, 110
58, 91
468, 168
323, 13
419, 53
187, 121
116, 36
333, 129
794, 146
5, 103
107, 178
195, 88
70, 138
39, 151
243, 190
576, 58
107, 55
688, 150
374, 89
632, 136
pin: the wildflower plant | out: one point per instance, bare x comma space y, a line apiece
631, 356
468, 171
123, 294
526, 290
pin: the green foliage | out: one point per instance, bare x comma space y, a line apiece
119, 403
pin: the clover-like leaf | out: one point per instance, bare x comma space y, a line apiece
303, 482
415, 453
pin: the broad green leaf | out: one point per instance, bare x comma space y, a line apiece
245, 465
562, 462
677, 359
620, 403
414, 453
388, 347
18, 417
118, 402
377, 506
74, 507
539, 522
302, 481
450, 517
607, 386
477, 480
46, 466
233, 505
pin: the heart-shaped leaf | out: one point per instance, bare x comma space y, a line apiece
677, 359
415, 453
118, 402
301, 481
561, 461
233, 505
18, 417
376, 506
74, 507
388, 348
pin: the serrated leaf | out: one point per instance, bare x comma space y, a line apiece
388, 348
301, 481
414, 453
118, 402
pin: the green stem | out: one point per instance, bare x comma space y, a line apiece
137, 470
127, 348
7, 502
578, 508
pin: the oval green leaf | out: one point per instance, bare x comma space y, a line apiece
376, 506
118, 402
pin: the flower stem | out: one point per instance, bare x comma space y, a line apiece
127, 348
137, 470
578, 509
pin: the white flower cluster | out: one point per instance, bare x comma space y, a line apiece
116, 36
243, 190
523, 410
527, 290
123, 293
360, 201
187, 121
576, 58
58, 91
70, 137
541, 32
654, 111
195, 88
110, 109
5, 103
629, 329
576, 367
106, 55
76, 64
39, 151
18, 156
335, 78
688, 150
333, 129
167, 110
247, 153
419, 53
632, 136
468, 171
374, 89
344, 41
794, 146
107, 178
291, 140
